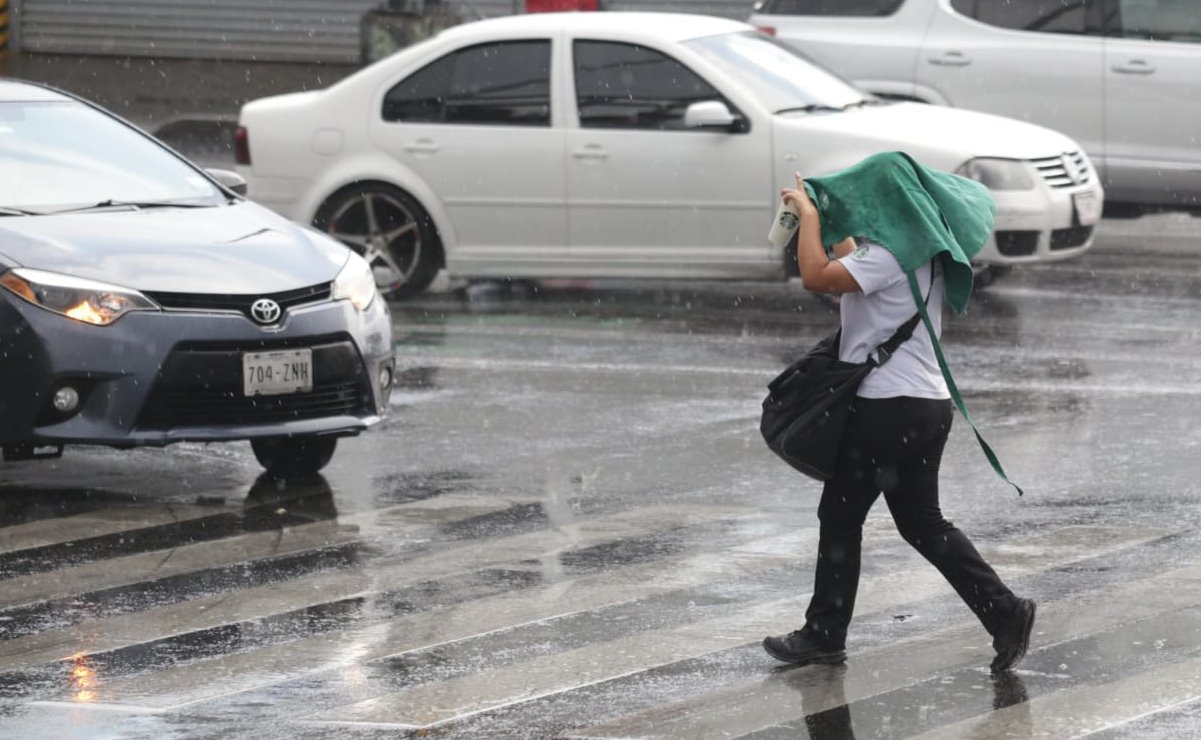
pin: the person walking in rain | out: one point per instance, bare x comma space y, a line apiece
917, 230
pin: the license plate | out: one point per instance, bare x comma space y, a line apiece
1088, 208
275, 373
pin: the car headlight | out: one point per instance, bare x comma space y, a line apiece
355, 283
84, 300
998, 174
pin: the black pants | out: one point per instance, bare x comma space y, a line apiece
894, 446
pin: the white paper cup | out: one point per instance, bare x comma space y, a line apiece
785, 224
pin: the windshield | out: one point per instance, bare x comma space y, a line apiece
57, 155
774, 73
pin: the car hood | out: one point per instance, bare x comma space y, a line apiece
241, 248
937, 135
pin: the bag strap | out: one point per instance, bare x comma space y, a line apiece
888, 348
946, 374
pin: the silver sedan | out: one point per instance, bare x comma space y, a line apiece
143, 302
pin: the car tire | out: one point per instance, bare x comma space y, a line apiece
389, 228
989, 274
294, 456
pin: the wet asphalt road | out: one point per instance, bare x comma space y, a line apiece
570, 528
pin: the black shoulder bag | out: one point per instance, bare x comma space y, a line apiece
809, 404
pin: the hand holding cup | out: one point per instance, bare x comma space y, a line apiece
794, 203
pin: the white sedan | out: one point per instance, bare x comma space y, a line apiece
619, 145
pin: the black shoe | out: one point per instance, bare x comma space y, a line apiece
799, 648
1013, 637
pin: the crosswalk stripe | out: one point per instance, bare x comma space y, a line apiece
98, 523
1082, 710
159, 564
741, 710
415, 518
274, 664
132, 629
438, 703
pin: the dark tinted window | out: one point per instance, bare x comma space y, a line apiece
628, 86
1047, 16
831, 7
421, 96
1158, 20
496, 84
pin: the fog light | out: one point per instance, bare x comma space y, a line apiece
66, 399
385, 377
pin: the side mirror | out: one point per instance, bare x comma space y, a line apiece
710, 114
229, 179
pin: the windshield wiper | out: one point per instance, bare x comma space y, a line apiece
10, 211
136, 204
864, 103
813, 108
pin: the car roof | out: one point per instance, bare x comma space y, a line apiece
17, 91
673, 26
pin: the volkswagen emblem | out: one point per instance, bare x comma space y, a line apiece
265, 311
1075, 170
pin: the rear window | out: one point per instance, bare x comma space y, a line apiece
861, 8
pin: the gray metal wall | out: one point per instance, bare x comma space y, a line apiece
265, 30
262, 30
737, 9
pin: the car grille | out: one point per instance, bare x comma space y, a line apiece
240, 303
200, 384
1071, 237
1065, 171
215, 407
1017, 243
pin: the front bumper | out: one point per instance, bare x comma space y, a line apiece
1040, 225
153, 378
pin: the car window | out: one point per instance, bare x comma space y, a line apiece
504, 83
629, 86
1158, 20
1046, 16
775, 73
829, 7
60, 155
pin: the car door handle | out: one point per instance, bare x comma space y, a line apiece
1134, 67
421, 146
951, 59
591, 152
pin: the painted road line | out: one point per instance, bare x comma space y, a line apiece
427, 514
207, 612
100, 522
310, 657
773, 700
1083, 710
131, 570
439, 703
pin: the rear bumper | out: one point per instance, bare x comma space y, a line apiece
153, 378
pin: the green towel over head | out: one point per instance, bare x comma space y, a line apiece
913, 211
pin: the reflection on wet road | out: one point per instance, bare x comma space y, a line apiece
570, 528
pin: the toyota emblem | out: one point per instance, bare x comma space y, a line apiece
265, 311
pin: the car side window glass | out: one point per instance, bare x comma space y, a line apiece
1158, 20
862, 8
1044, 16
506, 83
621, 85
420, 97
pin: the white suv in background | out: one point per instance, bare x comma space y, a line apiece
1122, 77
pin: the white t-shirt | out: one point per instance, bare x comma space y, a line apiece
870, 318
